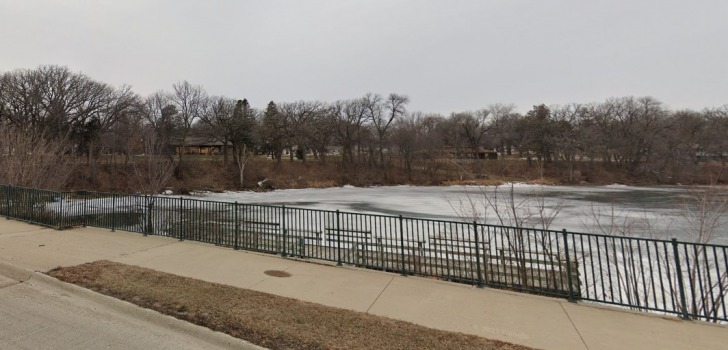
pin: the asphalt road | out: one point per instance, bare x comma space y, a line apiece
40, 314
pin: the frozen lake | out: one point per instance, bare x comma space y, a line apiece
657, 212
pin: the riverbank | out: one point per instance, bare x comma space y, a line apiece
211, 174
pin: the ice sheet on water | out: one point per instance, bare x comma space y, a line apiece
638, 205
653, 208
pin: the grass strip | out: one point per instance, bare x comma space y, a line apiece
267, 320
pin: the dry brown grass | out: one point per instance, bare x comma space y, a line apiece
267, 320
208, 173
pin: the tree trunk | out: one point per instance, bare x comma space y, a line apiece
241, 159
92, 163
225, 152
178, 170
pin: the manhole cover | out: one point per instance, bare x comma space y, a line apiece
277, 273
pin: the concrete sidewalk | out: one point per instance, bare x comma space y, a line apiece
40, 312
513, 317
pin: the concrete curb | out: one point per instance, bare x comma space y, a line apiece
17, 273
205, 334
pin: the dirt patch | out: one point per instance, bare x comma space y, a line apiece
277, 273
267, 320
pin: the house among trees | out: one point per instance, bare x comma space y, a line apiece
334, 150
469, 153
199, 146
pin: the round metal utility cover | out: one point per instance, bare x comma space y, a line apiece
277, 273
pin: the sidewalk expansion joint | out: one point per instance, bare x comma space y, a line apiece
573, 325
380, 294
141, 251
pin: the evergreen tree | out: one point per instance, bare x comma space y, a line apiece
274, 131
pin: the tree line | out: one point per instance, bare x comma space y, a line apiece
52, 105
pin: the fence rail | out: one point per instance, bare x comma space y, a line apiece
689, 280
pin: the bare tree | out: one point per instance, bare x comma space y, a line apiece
473, 127
416, 136
517, 216
568, 143
233, 123
114, 106
300, 117
154, 170
123, 137
675, 152
63, 104
190, 103
382, 113
501, 128
217, 121
714, 144
162, 116
58, 101
705, 214
351, 117
323, 130
409, 133
635, 124
29, 158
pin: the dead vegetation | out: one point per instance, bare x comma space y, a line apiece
263, 319
208, 173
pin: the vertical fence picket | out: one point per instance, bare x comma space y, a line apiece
284, 231
181, 210
85, 207
477, 255
681, 285
61, 215
568, 266
401, 240
338, 238
149, 215
236, 245
113, 212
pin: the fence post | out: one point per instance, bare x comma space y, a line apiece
31, 201
568, 267
113, 212
147, 216
401, 243
7, 202
181, 224
338, 238
283, 228
236, 246
60, 211
680, 283
37, 198
85, 211
477, 254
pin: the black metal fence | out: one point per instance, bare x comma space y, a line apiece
686, 279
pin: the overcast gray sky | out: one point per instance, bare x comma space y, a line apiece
446, 55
